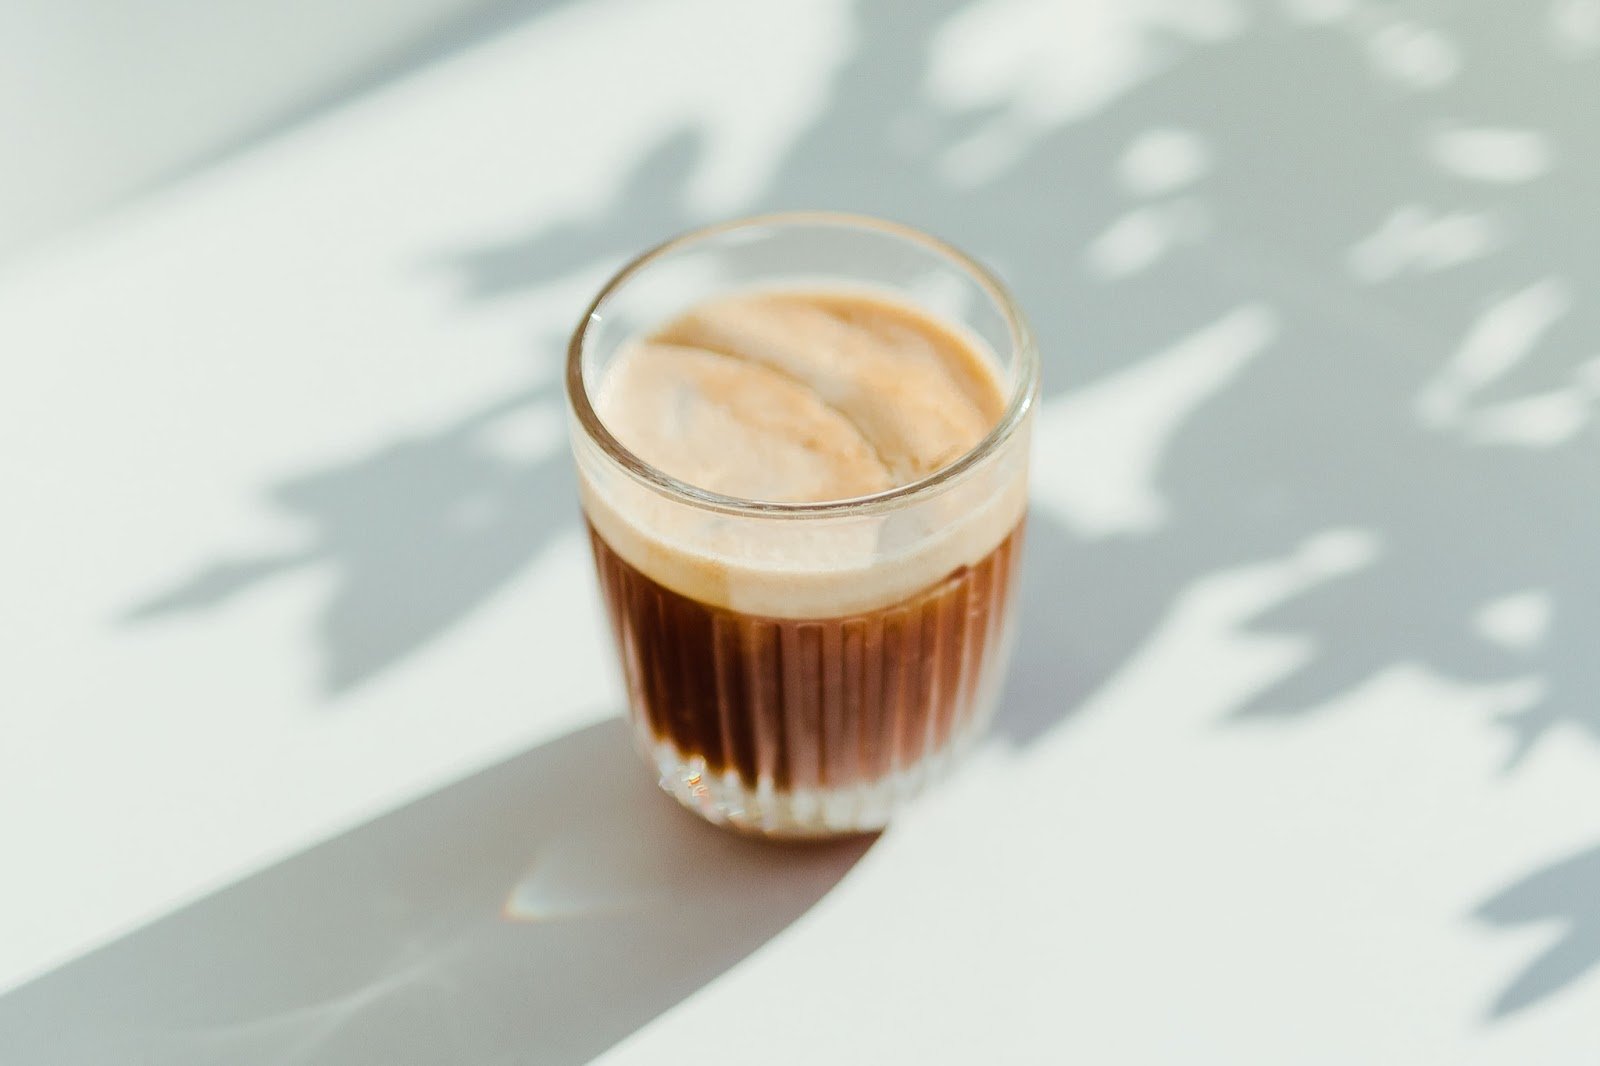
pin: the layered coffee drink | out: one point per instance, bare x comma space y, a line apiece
810, 623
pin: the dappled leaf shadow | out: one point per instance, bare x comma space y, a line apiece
1548, 897
420, 532
1311, 149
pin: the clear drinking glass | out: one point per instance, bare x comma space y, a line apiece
802, 669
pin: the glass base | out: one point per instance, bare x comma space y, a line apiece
806, 814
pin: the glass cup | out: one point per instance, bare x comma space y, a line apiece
803, 669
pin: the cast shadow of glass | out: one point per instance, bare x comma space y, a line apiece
537, 911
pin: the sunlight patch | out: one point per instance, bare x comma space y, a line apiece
1101, 447
1517, 622
1502, 337
1163, 160
1415, 239
1413, 55
1141, 238
1044, 63
1488, 154
1574, 27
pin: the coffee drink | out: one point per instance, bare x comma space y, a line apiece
826, 679
815, 705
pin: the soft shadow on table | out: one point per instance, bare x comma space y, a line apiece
536, 912
1566, 894
417, 532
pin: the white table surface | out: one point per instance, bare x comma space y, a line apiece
311, 749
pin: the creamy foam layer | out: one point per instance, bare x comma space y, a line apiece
733, 426
785, 396
803, 396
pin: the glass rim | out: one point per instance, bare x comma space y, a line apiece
1023, 393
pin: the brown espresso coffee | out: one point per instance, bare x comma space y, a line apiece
815, 668
809, 703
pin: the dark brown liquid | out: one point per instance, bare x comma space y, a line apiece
810, 703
